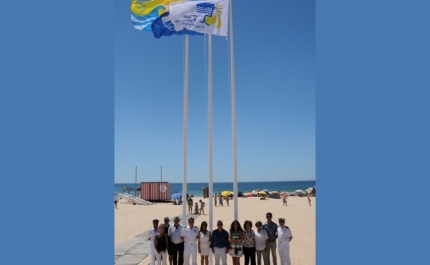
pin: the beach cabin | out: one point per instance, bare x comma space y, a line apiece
155, 191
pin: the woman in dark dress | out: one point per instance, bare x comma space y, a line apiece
161, 244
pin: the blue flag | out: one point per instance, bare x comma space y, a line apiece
162, 26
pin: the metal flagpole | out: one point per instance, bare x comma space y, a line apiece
135, 181
233, 116
210, 139
184, 179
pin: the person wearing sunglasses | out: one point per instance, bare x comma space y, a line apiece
236, 239
261, 241
284, 238
203, 243
220, 244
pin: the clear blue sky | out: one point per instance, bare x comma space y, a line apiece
275, 98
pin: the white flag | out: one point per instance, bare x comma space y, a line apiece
209, 16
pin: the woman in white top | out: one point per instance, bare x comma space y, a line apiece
261, 241
203, 243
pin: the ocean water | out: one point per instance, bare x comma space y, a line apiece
196, 188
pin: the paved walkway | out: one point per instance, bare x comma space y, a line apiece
134, 250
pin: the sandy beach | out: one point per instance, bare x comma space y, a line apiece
132, 220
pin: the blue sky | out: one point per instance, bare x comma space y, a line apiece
275, 98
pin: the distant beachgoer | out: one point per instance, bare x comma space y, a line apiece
215, 199
115, 200
160, 245
196, 208
261, 241
236, 239
202, 207
190, 204
203, 243
284, 238
309, 200
227, 199
151, 234
284, 199
220, 200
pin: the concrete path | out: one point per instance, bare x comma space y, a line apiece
134, 250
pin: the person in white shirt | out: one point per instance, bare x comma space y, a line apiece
284, 238
261, 241
190, 234
175, 233
151, 234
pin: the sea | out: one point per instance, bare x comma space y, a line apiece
196, 188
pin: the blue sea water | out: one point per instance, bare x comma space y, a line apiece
196, 188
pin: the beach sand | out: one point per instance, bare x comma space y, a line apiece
132, 220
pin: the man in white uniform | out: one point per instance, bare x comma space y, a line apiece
284, 238
190, 235
151, 233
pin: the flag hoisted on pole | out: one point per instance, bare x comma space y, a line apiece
193, 17
210, 16
177, 17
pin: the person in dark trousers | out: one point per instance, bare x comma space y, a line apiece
166, 230
249, 243
174, 233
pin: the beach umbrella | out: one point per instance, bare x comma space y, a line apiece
254, 192
248, 194
309, 190
300, 191
262, 192
176, 196
274, 192
239, 194
226, 193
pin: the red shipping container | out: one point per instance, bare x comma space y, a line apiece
155, 191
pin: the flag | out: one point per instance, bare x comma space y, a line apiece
163, 26
209, 16
143, 13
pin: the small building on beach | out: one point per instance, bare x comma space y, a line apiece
155, 191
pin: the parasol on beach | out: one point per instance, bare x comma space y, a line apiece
262, 192
176, 196
299, 191
248, 194
226, 193
309, 190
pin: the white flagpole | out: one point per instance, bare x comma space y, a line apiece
184, 179
233, 116
210, 138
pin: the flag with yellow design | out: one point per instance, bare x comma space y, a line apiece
209, 16
144, 12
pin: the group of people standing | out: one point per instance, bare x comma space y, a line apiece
181, 243
219, 199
